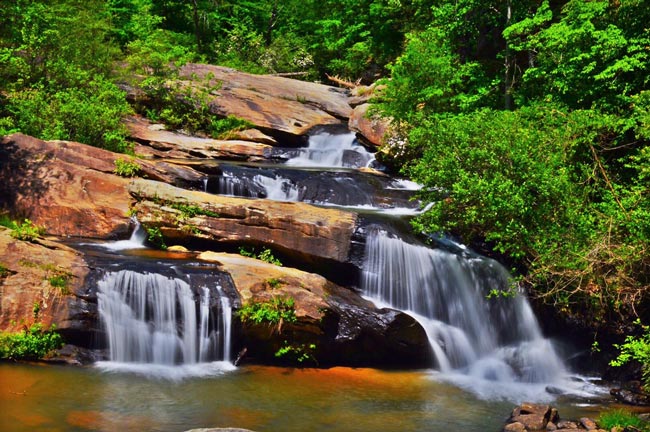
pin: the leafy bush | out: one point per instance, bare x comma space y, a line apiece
190, 210
276, 312
620, 419
31, 344
155, 236
637, 349
26, 231
300, 353
126, 168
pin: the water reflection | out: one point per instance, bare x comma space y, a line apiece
51, 398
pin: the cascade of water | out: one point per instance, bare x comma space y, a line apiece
151, 318
493, 339
278, 188
136, 241
328, 150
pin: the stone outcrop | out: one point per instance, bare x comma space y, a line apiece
281, 107
70, 189
43, 282
530, 417
65, 187
289, 227
333, 324
372, 128
158, 142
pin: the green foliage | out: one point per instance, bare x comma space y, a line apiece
190, 210
621, 419
276, 312
54, 59
299, 353
26, 231
60, 282
4, 271
126, 168
637, 349
266, 255
32, 344
274, 282
155, 237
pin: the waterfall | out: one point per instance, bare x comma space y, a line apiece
278, 188
150, 318
136, 241
494, 339
333, 150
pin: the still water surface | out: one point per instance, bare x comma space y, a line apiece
59, 398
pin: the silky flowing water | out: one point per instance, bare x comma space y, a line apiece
57, 398
169, 341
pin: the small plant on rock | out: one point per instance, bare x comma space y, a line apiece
126, 168
155, 237
276, 312
26, 231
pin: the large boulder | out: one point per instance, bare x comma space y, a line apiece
44, 282
70, 189
372, 128
281, 107
298, 229
334, 326
62, 186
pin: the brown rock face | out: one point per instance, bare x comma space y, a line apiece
63, 186
293, 227
28, 296
278, 106
372, 128
164, 143
342, 327
69, 188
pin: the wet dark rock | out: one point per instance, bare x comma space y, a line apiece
632, 394
343, 328
530, 417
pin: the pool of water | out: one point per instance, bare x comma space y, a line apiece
60, 398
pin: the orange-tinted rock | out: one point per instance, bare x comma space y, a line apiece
271, 103
164, 143
372, 128
26, 294
297, 227
65, 187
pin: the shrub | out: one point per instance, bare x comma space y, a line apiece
276, 312
638, 349
126, 168
155, 236
26, 231
620, 419
266, 255
31, 344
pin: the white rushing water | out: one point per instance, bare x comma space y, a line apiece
136, 241
156, 323
327, 150
492, 346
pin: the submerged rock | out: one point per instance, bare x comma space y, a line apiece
334, 326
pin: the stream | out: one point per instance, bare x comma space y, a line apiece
160, 376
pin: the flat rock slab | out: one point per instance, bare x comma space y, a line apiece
273, 104
164, 143
291, 226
